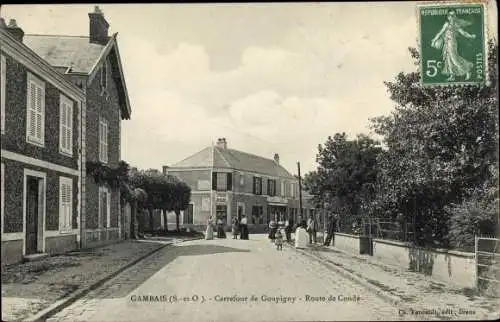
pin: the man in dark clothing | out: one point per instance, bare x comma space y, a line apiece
288, 230
331, 228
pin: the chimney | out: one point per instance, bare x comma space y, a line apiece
98, 27
13, 29
277, 158
222, 143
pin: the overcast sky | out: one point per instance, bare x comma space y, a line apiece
271, 78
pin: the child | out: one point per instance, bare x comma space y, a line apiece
279, 240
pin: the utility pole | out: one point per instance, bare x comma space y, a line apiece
300, 191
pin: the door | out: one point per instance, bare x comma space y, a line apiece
31, 215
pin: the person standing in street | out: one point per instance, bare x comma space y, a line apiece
288, 230
244, 228
331, 228
220, 228
312, 229
235, 228
209, 233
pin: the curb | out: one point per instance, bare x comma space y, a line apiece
392, 299
60, 305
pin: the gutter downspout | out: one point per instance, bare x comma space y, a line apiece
83, 163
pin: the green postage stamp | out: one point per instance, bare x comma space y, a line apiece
452, 44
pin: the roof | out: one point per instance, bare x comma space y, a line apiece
217, 157
66, 51
78, 55
44, 69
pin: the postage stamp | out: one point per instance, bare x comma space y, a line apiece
452, 44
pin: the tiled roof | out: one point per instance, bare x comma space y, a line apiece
233, 159
66, 51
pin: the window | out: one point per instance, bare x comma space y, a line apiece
65, 125
222, 181
103, 141
292, 190
271, 187
282, 188
257, 215
187, 218
65, 204
3, 88
257, 186
104, 208
35, 119
242, 179
104, 75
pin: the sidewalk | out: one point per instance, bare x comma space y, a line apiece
414, 290
30, 287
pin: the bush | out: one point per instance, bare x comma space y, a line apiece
475, 216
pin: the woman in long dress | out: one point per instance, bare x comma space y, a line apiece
209, 233
453, 64
235, 228
244, 228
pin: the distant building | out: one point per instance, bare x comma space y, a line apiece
228, 183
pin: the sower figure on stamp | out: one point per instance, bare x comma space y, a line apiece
447, 40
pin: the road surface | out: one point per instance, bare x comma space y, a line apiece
228, 280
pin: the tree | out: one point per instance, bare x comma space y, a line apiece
441, 143
164, 192
346, 173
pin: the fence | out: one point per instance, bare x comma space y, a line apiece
487, 269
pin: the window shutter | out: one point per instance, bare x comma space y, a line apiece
214, 180
105, 142
39, 112
229, 181
3, 87
108, 209
254, 186
62, 208
32, 110
69, 127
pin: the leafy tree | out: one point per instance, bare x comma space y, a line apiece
164, 192
441, 143
346, 173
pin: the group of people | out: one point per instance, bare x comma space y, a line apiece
302, 229
309, 227
238, 228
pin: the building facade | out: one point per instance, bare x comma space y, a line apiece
93, 63
42, 114
227, 183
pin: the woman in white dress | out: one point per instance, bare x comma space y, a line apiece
209, 233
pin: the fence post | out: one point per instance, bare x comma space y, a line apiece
476, 271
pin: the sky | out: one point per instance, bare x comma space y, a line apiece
270, 78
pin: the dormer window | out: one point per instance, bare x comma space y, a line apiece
104, 75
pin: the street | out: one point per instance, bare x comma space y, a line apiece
228, 280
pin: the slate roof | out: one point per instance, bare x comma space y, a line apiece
218, 157
66, 51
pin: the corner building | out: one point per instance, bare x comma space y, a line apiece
228, 183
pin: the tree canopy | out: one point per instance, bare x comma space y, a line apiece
438, 163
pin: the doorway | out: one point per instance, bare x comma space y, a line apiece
33, 215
